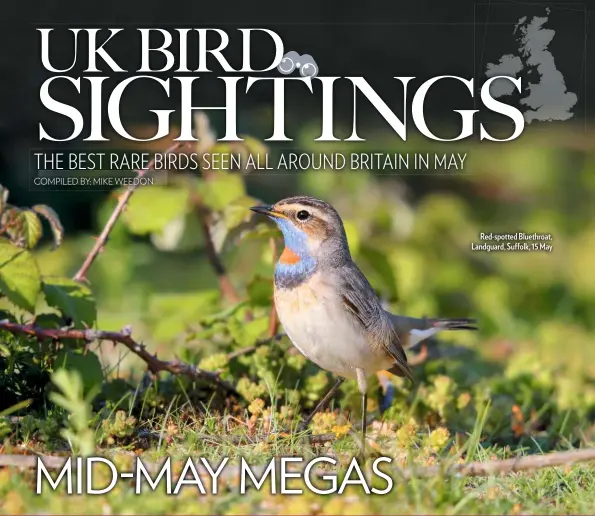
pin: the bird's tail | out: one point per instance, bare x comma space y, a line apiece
454, 324
433, 326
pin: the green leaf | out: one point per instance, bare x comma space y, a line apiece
73, 299
15, 408
170, 314
238, 212
227, 227
223, 315
22, 226
87, 366
260, 291
255, 146
117, 390
67, 383
247, 333
78, 432
49, 321
181, 234
31, 228
221, 190
253, 150
151, 209
20, 280
52, 217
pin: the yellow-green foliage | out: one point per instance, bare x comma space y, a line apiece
532, 362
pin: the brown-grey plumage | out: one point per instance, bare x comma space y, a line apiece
326, 305
360, 299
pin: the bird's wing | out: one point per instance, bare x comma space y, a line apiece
360, 300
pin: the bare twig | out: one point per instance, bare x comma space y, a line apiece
225, 285
122, 201
206, 140
124, 337
273, 317
273, 321
472, 469
30, 461
503, 466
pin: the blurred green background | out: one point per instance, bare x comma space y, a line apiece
410, 234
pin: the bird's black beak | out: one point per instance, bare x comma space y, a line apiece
268, 211
264, 210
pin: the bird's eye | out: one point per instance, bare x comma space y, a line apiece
303, 215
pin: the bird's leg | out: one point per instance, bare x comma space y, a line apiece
322, 403
364, 416
363, 389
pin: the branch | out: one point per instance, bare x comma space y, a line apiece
122, 201
124, 337
502, 466
30, 461
225, 285
206, 140
273, 317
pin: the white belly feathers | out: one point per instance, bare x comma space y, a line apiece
316, 321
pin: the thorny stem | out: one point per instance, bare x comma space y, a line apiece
123, 337
154, 364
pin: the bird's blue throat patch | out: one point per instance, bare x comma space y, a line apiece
296, 264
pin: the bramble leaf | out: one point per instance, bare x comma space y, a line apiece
23, 227
183, 233
86, 365
52, 217
247, 333
151, 209
224, 188
238, 211
72, 298
20, 280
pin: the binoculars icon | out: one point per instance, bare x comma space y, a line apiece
305, 64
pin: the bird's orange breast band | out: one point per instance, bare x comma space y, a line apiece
288, 257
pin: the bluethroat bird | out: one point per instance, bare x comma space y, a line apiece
328, 308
